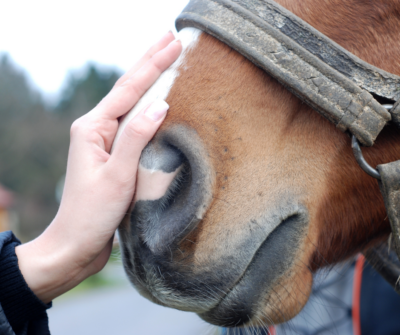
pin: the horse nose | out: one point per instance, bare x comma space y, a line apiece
173, 190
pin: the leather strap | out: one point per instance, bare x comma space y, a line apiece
390, 188
395, 111
386, 263
317, 70
383, 260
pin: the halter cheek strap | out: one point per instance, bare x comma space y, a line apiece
390, 188
385, 260
388, 176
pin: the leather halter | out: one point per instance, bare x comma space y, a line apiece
336, 83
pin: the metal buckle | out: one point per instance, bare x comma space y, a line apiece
361, 160
359, 156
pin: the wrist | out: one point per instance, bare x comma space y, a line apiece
47, 269
19, 303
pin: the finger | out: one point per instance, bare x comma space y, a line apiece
121, 99
137, 133
161, 44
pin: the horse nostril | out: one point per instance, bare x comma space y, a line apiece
164, 180
160, 172
174, 190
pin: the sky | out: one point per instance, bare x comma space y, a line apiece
47, 38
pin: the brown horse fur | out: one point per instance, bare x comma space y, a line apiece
354, 216
266, 146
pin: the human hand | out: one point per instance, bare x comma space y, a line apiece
99, 186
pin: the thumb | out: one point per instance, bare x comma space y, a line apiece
138, 132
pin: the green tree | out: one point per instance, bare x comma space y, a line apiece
16, 95
81, 94
34, 138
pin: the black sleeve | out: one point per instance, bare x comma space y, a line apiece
25, 313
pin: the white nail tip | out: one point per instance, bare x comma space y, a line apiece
157, 110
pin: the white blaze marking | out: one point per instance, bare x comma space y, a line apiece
153, 184
161, 88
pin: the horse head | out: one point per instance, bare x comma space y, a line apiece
245, 191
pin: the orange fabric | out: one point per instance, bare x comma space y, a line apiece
357, 294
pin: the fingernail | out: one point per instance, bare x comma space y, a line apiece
168, 33
157, 110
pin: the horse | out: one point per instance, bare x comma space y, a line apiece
245, 191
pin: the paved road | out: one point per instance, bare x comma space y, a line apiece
120, 311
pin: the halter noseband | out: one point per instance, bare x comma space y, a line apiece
336, 83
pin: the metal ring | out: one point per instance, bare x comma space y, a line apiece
388, 106
361, 161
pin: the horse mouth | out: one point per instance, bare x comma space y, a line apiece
270, 263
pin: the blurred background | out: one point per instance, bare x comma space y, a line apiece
58, 59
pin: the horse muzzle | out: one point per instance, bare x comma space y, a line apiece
160, 246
